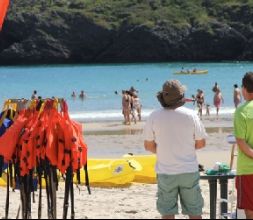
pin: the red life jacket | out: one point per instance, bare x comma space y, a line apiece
74, 138
4, 4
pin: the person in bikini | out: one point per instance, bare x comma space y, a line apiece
126, 107
200, 99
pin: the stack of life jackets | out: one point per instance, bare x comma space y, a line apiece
41, 141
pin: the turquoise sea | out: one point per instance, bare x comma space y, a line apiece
101, 81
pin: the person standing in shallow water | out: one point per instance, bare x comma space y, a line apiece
82, 95
215, 87
174, 133
200, 99
237, 96
218, 100
137, 105
34, 95
73, 95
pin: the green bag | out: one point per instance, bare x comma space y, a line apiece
220, 169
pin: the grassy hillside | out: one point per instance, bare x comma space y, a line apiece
81, 31
112, 13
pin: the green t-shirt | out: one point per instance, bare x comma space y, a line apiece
243, 128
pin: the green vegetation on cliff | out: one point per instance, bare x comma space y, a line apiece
81, 31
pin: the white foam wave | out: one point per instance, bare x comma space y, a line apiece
113, 115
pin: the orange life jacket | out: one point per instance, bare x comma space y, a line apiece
4, 4
74, 139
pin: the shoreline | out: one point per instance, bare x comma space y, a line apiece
113, 139
116, 115
114, 127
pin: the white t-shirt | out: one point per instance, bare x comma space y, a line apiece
175, 133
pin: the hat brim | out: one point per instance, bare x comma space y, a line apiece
180, 102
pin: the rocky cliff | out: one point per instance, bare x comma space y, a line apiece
67, 32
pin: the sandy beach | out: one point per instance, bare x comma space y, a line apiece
113, 139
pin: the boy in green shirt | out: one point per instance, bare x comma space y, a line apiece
243, 126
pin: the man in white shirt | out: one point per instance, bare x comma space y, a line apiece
174, 133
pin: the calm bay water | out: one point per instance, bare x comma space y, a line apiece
101, 81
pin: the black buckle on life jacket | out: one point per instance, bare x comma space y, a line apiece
61, 141
28, 154
45, 142
67, 151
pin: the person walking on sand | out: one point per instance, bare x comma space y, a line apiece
237, 96
132, 107
218, 100
174, 133
126, 107
243, 126
137, 105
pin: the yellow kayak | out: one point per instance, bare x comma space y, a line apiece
110, 172
147, 174
3, 181
191, 72
106, 172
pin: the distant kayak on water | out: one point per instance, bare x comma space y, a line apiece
191, 72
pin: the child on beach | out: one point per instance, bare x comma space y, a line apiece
200, 99
207, 110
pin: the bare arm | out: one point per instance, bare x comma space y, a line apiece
244, 147
150, 146
200, 144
